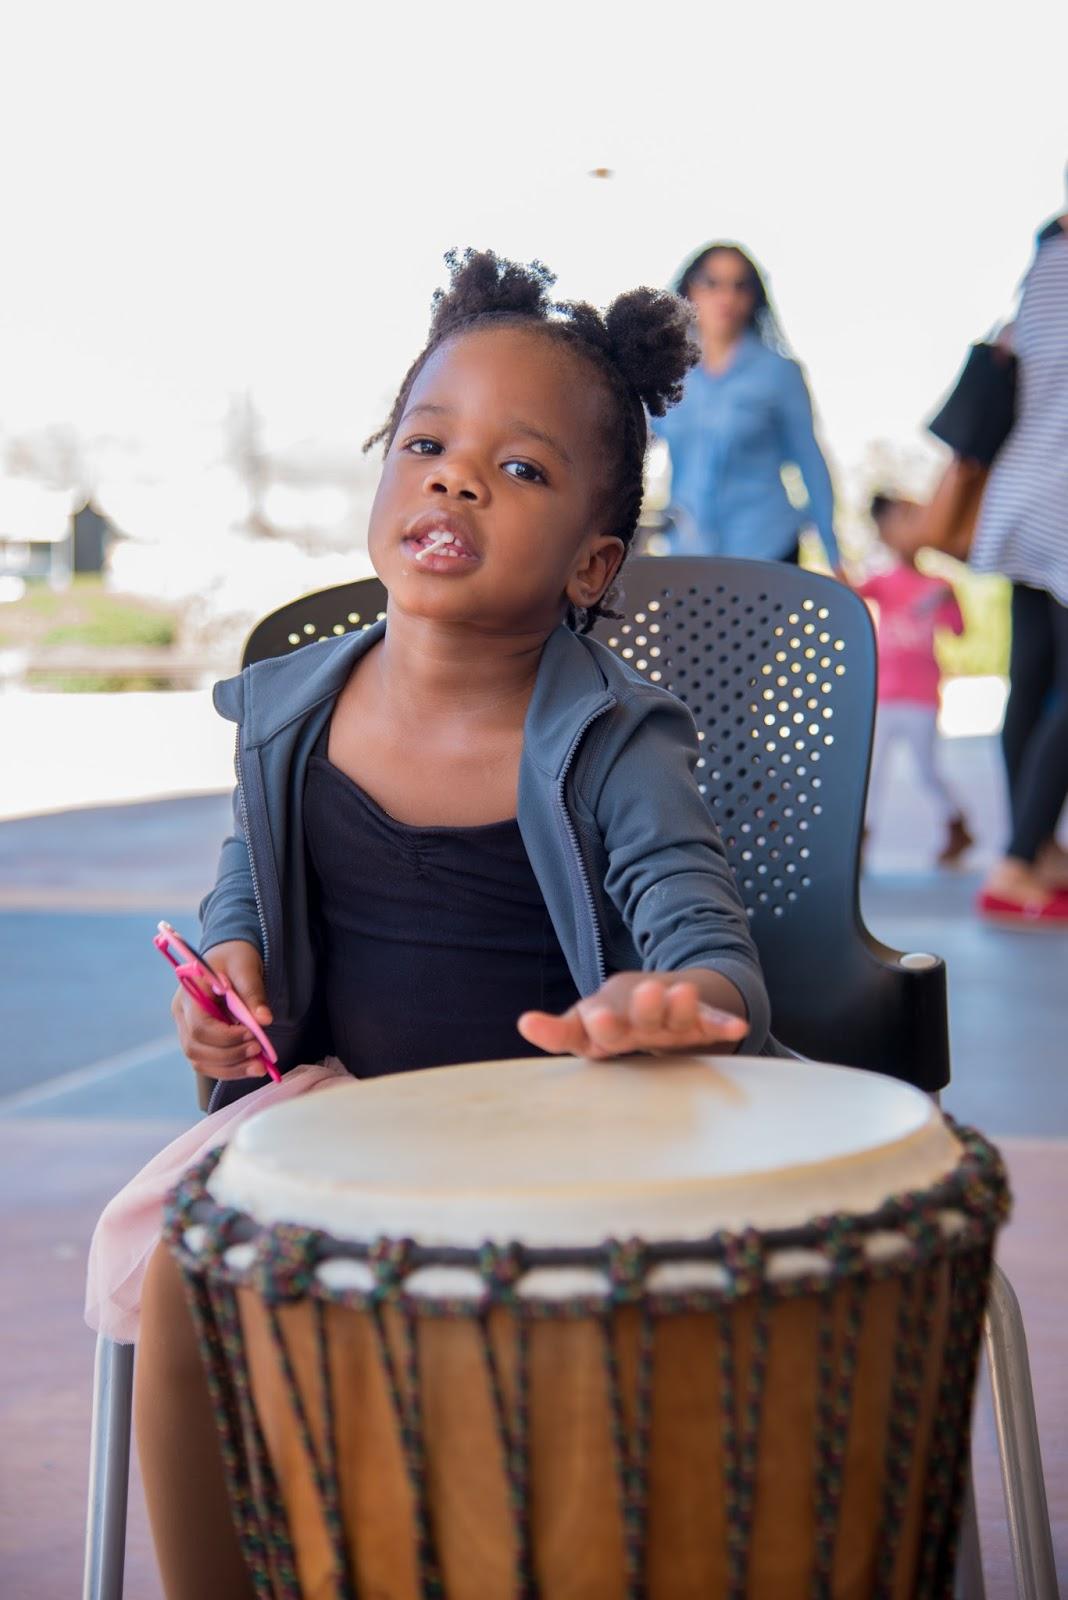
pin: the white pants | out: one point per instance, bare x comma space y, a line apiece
916, 726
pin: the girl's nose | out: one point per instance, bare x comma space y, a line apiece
456, 479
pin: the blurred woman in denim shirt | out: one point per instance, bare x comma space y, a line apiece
745, 413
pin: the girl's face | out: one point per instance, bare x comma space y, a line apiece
501, 451
722, 294
901, 529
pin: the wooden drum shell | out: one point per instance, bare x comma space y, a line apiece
575, 1502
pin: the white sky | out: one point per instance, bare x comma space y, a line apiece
198, 199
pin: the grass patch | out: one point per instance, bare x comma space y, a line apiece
118, 625
85, 614
93, 683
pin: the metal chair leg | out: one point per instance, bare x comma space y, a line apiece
969, 1584
109, 1471
1030, 1537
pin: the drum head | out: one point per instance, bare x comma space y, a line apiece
556, 1151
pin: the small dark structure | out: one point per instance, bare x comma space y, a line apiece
92, 534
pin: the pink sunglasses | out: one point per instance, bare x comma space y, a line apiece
193, 972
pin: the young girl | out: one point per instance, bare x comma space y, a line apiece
912, 607
472, 818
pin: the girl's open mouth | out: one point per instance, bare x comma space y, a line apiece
437, 549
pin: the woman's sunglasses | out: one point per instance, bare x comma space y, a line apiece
708, 280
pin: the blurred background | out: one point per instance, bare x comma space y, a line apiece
220, 229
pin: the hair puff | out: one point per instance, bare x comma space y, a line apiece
482, 285
651, 343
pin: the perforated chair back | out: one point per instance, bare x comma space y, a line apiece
777, 666
321, 615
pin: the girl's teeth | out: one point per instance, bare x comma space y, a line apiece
441, 544
438, 542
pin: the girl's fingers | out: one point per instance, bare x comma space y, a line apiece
227, 1074
557, 1035
682, 1009
536, 1027
241, 966
195, 1025
723, 1024
207, 1060
218, 1035
659, 1018
648, 1005
604, 1027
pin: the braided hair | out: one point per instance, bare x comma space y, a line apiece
640, 349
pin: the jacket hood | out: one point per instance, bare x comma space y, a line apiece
266, 696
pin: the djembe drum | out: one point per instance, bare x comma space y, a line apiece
577, 1331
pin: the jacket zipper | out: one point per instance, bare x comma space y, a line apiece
251, 855
216, 1094
591, 905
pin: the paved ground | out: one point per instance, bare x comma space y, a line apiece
85, 1030
91, 1083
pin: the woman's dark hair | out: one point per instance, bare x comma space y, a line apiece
641, 349
763, 318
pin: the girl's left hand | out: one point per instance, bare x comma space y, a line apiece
632, 1012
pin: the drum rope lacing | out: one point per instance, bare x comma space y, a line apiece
255, 1498
837, 1370
952, 1421
913, 1325
746, 1264
938, 1242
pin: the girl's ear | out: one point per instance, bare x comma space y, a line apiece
599, 560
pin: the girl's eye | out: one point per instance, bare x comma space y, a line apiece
423, 447
525, 472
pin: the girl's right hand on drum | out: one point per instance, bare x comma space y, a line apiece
225, 1049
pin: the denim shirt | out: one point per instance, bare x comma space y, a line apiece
622, 843
729, 437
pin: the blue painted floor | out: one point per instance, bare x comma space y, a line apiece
1008, 1001
84, 1008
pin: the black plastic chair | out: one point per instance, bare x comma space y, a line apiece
322, 615
777, 666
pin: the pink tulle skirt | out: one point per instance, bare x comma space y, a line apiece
131, 1223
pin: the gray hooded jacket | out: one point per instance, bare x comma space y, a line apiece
621, 841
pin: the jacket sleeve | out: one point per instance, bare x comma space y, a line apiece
668, 874
229, 910
801, 447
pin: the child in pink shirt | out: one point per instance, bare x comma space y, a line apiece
911, 607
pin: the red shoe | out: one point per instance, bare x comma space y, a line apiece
1011, 914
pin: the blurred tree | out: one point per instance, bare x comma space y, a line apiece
55, 455
246, 454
